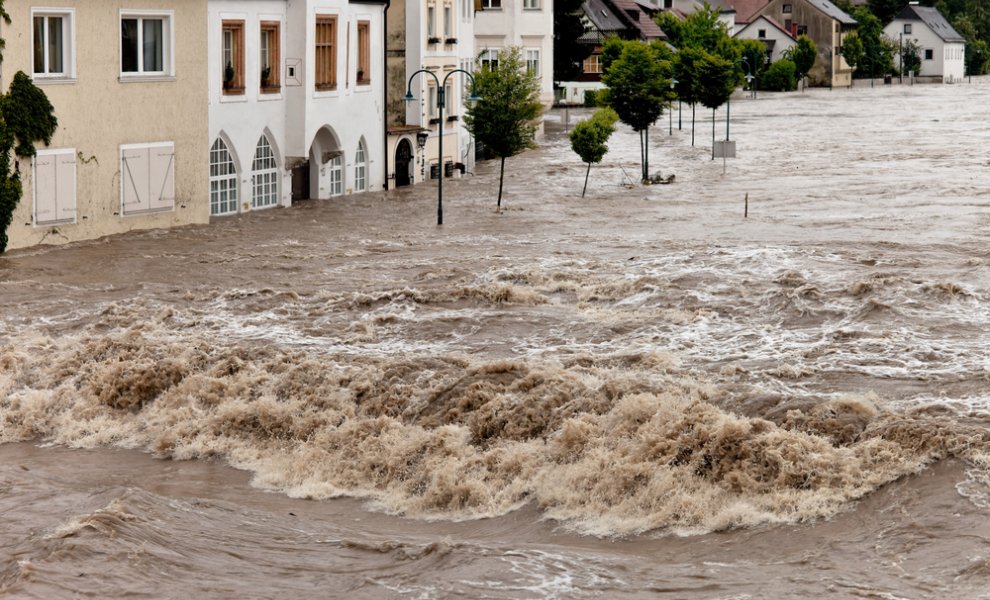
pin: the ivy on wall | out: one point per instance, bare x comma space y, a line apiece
26, 117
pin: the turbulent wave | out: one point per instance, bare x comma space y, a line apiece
608, 444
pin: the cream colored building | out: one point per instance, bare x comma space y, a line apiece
128, 81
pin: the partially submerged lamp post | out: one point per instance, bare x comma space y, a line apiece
441, 102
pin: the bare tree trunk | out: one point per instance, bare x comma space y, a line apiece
646, 153
713, 134
501, 176
586, 173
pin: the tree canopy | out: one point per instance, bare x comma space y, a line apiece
589, 138
637, 84
506, 117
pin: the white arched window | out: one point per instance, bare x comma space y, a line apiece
337, 176
264, 175
223, 180
361, 168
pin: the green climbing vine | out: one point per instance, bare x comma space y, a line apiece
26, 117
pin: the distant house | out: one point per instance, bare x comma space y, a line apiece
626, 19
827, 25
743, 11
942, 49
773, 35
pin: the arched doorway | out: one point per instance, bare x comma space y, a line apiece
403, 163
326, 160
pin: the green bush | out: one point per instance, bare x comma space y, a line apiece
592, 98
781, 76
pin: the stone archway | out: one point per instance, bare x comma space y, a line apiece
403, 163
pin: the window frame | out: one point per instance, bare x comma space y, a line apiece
331, 54
929, 54
593, 60
168, 43
335, 175
491, 4
532, 5
68, 16
361, 167
232, 180
787, 9
489, 57
272, 31
264, 172
537, 70
363, 52
235, 27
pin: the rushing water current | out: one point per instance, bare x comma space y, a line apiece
640, 393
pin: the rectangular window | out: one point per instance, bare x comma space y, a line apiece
271, 57
233, 57
929, 54
326, 52
54, 184
491, 4
448, 21
531, 4
448, 99
489, 59
364, 52
802, 30
907, 28
761, 33
52, 44
431, 102
533, 62
147, 178
431, 22
668, 3
593, 64
786, 9
145, 44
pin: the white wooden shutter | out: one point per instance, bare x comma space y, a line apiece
162, 178
45, 206
134, 179
65, 186
55, 186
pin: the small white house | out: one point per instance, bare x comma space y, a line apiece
942, 49
767, 30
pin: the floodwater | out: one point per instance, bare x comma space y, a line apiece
641, 393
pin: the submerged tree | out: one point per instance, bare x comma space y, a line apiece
26, 117
803, 55
506, 117
589, 138
637, 85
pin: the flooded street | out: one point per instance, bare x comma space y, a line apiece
635, 394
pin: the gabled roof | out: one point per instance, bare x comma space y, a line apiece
833, 11
745, 9
773, 23
934, 19
616, 16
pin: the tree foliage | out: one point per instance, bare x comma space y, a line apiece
506, 117
781, 76
637, 84
803, 55
878, 50
910, 57
589, 138
26, 117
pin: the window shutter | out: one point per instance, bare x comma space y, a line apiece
162, 178
134, 179
477, 6
65, 186
45, 206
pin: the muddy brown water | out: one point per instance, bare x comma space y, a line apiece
636, 394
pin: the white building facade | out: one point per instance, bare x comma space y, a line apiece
777, 39
524, 23
296, 95
942, 50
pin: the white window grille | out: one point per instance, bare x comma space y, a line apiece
360, 168
264, 175
337, 176
223, 180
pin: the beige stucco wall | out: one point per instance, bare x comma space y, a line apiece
97, 112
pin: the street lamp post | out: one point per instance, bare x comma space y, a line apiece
441, 102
